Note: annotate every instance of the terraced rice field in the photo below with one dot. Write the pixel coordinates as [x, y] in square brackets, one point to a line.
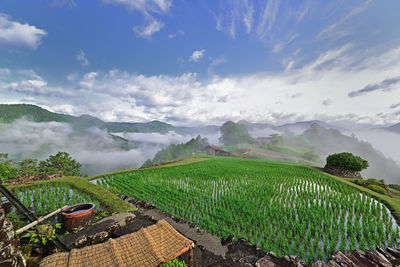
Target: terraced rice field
[284, 208]
[44, 199]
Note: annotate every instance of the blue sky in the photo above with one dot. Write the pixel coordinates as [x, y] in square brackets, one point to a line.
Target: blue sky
[204, 62]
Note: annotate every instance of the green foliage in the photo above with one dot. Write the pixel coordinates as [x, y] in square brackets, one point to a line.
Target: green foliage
[7, 171]
[61, 163]
[174, 263]
[346, 161]
[377, 189]
[68, 190]
[395, 186]
[311, 155]
[175, 152]
[27, 167]
[42, 234]
[234, 134]
[280, 207]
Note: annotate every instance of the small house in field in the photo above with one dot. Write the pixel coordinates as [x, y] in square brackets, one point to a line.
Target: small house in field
[217, 151]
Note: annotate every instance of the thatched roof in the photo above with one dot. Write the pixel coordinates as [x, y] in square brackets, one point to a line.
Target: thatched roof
[149, 246]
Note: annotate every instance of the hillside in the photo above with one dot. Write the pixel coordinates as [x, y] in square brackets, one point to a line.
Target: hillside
[329, 141]
[277, 207]
[12, 112]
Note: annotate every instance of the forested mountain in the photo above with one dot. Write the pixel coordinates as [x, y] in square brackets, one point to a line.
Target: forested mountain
[329, 141]
[10, 113]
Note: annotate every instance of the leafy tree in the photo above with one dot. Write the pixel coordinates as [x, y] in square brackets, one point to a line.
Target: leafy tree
[346, 161]
[61, 163]
[27, 167]
[7, 171]
[179, 151]
[311, 155]
[234, 134]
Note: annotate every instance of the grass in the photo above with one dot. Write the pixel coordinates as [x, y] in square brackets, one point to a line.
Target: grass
[393, 203]
[107, 199]
[189, 160]
[287, 208]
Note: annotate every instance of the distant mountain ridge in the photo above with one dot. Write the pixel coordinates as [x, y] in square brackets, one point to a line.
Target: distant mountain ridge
[12, 112]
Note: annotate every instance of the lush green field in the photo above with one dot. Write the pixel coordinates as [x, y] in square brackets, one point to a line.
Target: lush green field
[46, 196]
[285, 208]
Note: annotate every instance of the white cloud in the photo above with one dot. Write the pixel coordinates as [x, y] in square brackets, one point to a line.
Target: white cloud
[81, 57]
[144, 6]
[174, 35]
[330, 30]
[146, 31]
[14, 34]
[268, 18]
[281, 45]
[197, 55]
[27, 82]
[234, 13]
[271, 96]
[148, 8]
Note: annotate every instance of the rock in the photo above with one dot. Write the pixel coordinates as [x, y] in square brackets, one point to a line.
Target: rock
[332, 263]
[394, 252]
[81, 242]
[7, 207]
[385, 253]
[130, 219]
[192, 225]
[200, 231]
[98, 237]
[272, 254]
[377, 259]
[227, 240]
[9, 253]
[342, 259]
[265, 262]
[249, 259]
[319, 264]
[359, 256]
[113, 228]
[287, 258]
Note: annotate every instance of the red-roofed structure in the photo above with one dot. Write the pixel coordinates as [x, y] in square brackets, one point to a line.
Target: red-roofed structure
[217, 151]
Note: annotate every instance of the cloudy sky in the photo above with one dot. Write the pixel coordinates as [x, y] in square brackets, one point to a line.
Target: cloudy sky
[204, 61]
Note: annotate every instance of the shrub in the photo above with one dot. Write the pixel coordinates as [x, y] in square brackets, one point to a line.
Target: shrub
[375, 181]
[377, 189]
[395, 186]
[360, 182]
[174, 263]
[346, 161]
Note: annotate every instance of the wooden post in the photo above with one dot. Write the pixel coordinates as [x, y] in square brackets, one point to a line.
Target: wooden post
[26, 227]
[190, 256]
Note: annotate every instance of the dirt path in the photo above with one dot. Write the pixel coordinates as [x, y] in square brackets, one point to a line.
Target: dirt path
[206, 240]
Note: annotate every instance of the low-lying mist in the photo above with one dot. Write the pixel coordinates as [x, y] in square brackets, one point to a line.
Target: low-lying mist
[94, 148]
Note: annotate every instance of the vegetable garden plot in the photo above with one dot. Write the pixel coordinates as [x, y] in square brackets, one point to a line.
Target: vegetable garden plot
[46, 198]
[284, 208]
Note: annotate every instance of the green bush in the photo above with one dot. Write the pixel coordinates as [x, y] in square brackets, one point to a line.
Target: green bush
[395, 186]
[7, 172]
[346, 161]
[377, 189]
[360, 182]
[174, 263]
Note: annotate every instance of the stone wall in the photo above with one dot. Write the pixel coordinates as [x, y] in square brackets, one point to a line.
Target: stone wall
[342, 172]
[9, 253]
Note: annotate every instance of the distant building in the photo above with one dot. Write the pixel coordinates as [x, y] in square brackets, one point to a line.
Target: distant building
[217, 151]
[265, 140]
